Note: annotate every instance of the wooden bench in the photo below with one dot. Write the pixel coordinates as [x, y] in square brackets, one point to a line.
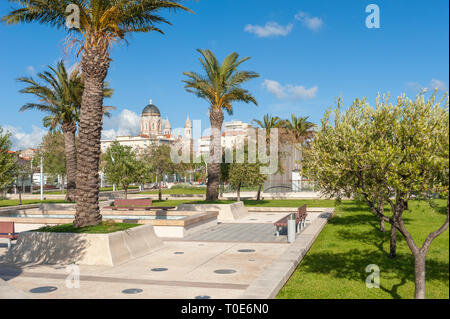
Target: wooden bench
[131, 204]
[300, 220]
[7, 231]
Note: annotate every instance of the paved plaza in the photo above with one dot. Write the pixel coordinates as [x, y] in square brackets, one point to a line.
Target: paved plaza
[225, 261]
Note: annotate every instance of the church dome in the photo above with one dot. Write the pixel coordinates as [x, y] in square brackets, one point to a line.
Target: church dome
[151, 110]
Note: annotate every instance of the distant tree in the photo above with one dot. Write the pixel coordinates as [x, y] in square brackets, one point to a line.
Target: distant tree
[7, 160]
[53, 152]
[159, 163]
[23, 172]
[390, 153]
[122, 167]
[269, 122]
[240, 174]
[221, 87]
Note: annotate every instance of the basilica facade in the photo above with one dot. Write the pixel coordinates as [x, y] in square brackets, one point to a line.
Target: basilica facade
[153, 131]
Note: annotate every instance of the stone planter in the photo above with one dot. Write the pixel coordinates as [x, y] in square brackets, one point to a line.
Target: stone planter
[84, 249]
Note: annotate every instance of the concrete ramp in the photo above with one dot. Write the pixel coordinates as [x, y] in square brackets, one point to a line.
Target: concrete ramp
[227, 212]
[83, 249]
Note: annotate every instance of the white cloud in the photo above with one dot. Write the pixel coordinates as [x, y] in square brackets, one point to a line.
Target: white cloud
[269, 29]
[275, 88]
[31, 70]
[437, 84]
[433, 85]
[127, 123]
[290, 91]
[312, 23]
[21, 140]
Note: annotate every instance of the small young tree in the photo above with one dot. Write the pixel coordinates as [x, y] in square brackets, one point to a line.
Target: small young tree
[389, 153]
[22, 172]
[7, 160]
[53, 152]
[159, 163]
[122, 167]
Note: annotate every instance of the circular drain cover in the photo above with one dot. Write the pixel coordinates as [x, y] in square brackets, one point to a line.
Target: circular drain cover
[246, 250]
[43, 290]
[159, 269]
[224, 271]
[253, 219]
[251, 260]
[179, 252]
[202, 297]
[132, 291]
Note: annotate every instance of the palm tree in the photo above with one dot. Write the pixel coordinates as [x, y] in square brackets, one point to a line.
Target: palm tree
[269, 122]
[101, 22]
[221, 86]
[60, 96]
[301, 132]
[300, 128]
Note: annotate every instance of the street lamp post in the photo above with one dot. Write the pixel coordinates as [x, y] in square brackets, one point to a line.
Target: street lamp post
[42, 180]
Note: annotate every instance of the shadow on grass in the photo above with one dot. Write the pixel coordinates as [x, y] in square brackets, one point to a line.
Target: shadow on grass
[351, 265]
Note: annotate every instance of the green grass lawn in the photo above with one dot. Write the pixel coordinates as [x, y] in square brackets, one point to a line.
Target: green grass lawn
[335, 265]
[15, 202]
[109, 189]
[255, 203]
[179, 191]
[103, 228]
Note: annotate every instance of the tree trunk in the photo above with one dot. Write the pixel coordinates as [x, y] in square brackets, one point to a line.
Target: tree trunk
[393, 243]
[258, 195]
[381, 210]
[212, 186]
[126, 191]
[69, 130]
[238, 192]
[159, 190]
[94, 66]
[419, 275]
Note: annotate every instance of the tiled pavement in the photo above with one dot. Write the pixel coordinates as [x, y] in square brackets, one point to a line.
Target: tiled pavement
[233, 232]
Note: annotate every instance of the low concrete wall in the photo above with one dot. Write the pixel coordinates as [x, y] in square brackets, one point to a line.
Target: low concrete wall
[181, 232]
[84, 249]
[227, 212]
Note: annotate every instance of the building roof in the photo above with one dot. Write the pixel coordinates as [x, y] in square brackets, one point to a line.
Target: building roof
[188, 122]
[151, 109]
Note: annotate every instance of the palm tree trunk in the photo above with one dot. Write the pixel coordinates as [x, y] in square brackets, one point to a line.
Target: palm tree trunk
[94, 65]
[215, 152]
[69, 130]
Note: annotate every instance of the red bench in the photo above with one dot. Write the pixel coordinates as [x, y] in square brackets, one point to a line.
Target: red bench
[7, 231]
[300, 220]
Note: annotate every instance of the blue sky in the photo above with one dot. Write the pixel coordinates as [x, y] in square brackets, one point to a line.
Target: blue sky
[307, 52]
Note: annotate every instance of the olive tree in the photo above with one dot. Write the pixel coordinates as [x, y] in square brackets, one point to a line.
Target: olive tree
[123, 167]
[390, 153]
[7, 160]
